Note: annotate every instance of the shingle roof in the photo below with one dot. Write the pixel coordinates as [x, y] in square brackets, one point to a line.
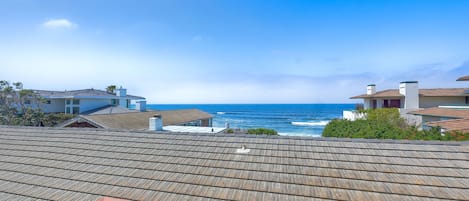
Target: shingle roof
[82, 93]
[139, 120]
[109, 109]
[443, 92]
[452, 125]
[443, 112]
[83, 164]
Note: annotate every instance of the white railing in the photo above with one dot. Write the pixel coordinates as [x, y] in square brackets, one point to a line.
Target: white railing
[464, 107]
[353, 115]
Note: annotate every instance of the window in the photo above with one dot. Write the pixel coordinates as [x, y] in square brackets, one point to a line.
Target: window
[395, 103]
[67, 110]
[76, 101]
[68, 102]
[115, 102]
[386, 103]
[47, 101]
[27, 102]
[76, 110]
[467, 99]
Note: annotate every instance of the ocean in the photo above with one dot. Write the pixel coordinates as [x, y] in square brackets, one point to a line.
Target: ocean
[286, 119]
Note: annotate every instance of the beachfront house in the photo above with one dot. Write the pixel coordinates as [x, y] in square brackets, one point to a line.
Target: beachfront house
[118, 118]
[101, 109]
[84, 100]
[447, 117]
[409, 98]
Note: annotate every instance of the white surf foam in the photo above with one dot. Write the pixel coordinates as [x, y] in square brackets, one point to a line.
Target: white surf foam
[318, 123]
[221, 112]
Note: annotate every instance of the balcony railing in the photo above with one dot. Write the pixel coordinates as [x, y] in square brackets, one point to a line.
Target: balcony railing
[353, 115]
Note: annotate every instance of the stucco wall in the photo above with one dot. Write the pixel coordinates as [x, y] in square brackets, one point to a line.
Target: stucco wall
[90, 104]
[55, 106]
[367, 103]
[411, 92]
[414, 120]
[426, 102]
[123, 102]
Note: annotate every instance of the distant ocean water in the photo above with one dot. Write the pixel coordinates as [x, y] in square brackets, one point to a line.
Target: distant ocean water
[287, 119]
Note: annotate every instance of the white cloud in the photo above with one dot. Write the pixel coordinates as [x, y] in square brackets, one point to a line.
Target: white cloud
[59, 23]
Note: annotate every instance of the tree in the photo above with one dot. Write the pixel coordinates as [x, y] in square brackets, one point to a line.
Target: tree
[7, 112]
[19, 106]
[111, 89]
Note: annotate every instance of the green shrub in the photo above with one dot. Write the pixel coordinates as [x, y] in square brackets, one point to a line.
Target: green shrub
[230, 131]
[385, 124]
[54, 119]
[260, 131]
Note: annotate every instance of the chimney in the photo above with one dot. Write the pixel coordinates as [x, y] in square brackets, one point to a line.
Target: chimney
[121, 92]
[141, 106]
[155, 123]
[371, 89]
[410, 90]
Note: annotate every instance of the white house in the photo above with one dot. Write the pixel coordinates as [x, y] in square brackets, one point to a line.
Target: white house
[454, 117]
[84, 100]
[409, 98]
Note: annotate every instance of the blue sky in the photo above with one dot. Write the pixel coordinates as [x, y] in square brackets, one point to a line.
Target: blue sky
[236, 51]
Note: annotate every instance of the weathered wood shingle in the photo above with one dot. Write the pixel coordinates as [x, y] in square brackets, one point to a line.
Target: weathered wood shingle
[72, 164]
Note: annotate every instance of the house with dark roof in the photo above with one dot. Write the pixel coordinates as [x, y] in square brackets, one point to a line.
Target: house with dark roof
[96, 164]
[84, 100]
[418, 106]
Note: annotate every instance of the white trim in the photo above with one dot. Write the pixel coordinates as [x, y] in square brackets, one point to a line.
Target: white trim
[453, 107]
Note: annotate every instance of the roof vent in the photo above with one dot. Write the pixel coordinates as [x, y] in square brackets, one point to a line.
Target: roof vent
[155, 123]
[243, 150]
